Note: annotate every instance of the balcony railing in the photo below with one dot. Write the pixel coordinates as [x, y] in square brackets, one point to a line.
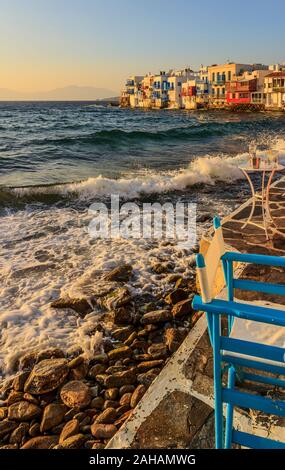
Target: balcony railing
[220, 82]
[218, 97]
[278, 89]
[246, 86]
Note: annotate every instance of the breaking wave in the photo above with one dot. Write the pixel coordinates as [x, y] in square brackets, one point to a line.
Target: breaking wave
[203, 170]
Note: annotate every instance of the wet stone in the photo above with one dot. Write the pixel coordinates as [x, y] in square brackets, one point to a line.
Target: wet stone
[111, 393]
[107, 416]
[75, 394]
[125, 399]
[73, 442]
[103, 431]
[41, 442]
[23, 411]
[182, 308]
[119, 379]
[157, 316]
[20, 380]
[52, 416]
[97, 403]
[96, 370]
[119, 353]
[19, 433]
[126, 389]
[6, 427]
[137, 395]
[46, 376]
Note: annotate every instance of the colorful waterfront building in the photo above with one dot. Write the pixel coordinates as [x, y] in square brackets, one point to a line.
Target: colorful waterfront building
[174, 86]
[160, 90]
[124, 99]
[146, 96]
[202, 88]
[274, 90]
[131, 92]
[189, 94]
[218, 75]
[195, 92]
[247, 89]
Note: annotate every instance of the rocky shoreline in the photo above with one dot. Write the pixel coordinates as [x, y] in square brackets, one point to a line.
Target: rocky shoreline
[80, 400]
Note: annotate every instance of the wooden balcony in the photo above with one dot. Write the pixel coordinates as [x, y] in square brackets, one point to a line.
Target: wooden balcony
[278, 89]
[241, 86]
[218, 97]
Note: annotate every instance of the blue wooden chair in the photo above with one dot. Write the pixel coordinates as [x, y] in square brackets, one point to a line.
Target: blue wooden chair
[254, 343]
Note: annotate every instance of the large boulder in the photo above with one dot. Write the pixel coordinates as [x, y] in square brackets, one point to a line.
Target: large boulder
[46, 376]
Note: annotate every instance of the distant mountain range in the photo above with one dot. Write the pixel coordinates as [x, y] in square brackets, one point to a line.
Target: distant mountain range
[69, 93]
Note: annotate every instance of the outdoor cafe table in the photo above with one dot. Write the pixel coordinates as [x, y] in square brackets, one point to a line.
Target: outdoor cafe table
[264, 196]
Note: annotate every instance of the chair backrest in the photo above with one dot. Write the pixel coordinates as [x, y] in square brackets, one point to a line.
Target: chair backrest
[207, 266]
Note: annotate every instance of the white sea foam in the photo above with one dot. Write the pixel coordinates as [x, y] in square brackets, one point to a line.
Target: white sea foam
[35, 271]
[203, 170]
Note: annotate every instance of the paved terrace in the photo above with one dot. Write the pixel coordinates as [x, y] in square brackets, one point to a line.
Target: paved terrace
[177, 410]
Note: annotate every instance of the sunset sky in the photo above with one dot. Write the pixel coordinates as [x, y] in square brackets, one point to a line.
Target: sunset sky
[46, 44]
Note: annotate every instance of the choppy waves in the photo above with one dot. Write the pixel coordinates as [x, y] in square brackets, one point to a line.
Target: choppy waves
[203, 170]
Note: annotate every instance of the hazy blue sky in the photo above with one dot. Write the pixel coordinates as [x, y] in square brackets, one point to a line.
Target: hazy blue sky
[51, 43]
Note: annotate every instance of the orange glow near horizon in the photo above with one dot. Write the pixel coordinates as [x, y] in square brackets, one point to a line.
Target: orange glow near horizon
[36, 77]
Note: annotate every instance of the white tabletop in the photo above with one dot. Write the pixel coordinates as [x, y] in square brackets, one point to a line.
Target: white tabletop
[249, 169]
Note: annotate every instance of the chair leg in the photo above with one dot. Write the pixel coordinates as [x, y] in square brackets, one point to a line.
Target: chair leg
[230, 410]
[210, 326]
[217, 383]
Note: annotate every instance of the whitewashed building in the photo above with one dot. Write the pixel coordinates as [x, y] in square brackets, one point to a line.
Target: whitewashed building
[132, 88]
[175, 83]
[274, 90]
[160, 90]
